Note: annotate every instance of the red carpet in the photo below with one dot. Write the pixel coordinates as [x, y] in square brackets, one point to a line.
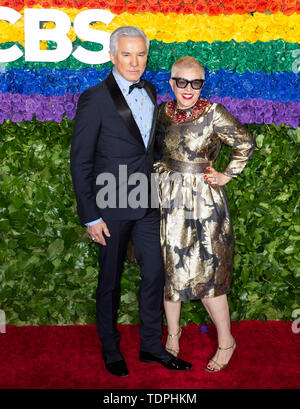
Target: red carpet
[267, 357]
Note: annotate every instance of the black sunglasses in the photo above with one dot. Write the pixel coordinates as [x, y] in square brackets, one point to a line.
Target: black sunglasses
[183, 83]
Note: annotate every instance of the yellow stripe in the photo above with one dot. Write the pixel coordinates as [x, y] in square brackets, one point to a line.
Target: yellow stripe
[178, 27]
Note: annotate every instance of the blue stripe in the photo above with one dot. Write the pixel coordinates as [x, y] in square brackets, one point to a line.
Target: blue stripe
[278, 86]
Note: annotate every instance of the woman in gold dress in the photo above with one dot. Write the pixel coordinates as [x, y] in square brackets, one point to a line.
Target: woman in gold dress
[196, 231]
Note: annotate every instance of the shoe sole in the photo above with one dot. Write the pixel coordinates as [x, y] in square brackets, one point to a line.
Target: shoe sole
[120, 376]
[147, 361]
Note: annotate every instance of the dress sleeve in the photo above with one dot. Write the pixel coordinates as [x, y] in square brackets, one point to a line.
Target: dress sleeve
[234, 134]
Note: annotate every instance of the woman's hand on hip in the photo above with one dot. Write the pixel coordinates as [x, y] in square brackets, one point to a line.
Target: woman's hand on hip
[216, 178]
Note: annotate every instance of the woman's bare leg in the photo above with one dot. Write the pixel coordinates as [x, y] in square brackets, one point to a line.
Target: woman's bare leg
[218, 310]
[172, 310]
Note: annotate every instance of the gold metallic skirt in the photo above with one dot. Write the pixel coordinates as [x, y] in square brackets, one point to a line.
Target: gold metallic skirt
[196, 232]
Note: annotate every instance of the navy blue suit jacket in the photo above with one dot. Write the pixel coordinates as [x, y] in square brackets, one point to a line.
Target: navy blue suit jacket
[106, 136]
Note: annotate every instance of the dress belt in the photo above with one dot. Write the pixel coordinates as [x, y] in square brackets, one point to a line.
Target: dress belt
[186, 167]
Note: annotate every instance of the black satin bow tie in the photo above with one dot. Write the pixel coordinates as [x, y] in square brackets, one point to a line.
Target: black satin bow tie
[139, 84]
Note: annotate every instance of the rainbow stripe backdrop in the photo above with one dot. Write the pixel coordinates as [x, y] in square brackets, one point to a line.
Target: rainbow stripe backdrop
[249, 49]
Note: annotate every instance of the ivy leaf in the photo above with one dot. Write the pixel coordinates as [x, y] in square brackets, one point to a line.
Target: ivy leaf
[55, 248]
[128, 298]
[259, 140]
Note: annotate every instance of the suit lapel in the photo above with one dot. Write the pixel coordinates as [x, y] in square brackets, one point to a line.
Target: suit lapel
[152, 132]
[123, 108]
[153, 99]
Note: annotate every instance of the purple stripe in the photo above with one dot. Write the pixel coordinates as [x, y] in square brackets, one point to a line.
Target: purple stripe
[19, 107]
[256, 110]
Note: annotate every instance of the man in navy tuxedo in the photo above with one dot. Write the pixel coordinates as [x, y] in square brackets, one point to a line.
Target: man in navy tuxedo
[115, 131]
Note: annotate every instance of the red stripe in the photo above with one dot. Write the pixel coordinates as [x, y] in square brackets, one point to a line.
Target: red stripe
[210, 7]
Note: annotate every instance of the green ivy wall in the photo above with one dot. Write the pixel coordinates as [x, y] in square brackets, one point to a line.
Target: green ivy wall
[48, 264]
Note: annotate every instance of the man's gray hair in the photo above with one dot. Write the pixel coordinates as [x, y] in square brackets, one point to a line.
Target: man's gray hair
[129, 31]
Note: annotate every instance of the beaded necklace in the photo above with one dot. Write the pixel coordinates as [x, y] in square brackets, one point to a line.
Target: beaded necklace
[182, 115]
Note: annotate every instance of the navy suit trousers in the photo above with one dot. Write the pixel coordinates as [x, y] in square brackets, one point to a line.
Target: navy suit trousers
[145, 236]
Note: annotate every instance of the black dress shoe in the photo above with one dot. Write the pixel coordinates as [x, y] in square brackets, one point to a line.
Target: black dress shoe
[118, 368]
[168, 361]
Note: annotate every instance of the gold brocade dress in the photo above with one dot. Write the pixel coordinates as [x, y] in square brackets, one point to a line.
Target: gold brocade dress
[196, 232]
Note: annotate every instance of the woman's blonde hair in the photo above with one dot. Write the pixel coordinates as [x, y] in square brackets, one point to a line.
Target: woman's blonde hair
[188, 63]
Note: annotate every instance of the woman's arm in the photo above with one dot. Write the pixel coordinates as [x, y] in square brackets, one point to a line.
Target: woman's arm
[234, 134]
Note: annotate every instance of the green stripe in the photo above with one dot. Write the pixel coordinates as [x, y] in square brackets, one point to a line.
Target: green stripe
[275, 55]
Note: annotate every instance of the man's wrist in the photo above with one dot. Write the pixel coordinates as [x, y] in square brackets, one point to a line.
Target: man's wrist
[94, 222]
